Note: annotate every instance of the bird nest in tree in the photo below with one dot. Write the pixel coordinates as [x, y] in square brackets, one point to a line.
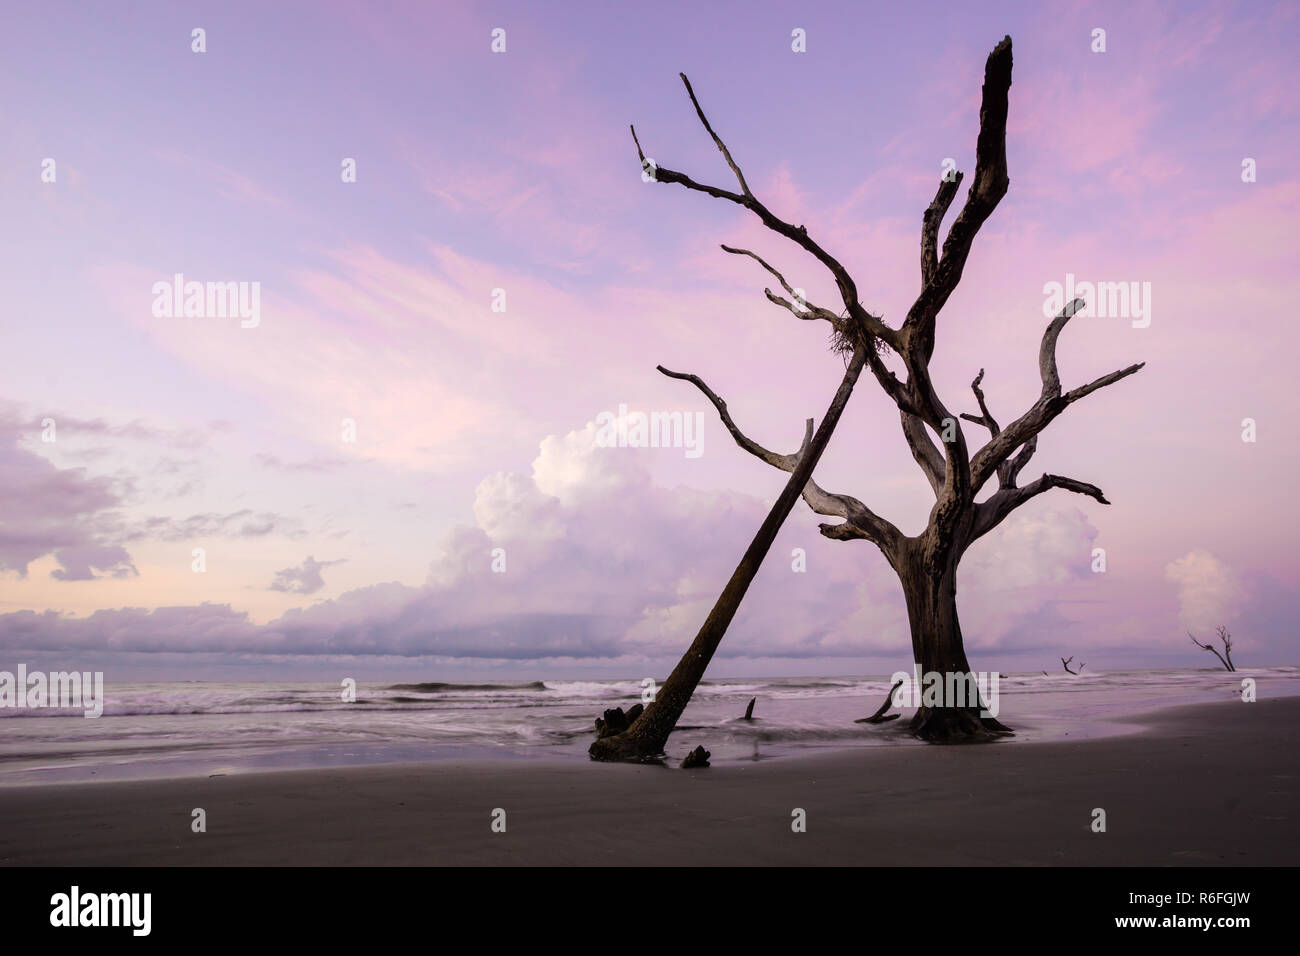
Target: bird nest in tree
[846, 337]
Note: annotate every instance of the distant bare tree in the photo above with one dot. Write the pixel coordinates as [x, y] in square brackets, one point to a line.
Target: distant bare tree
[1065, 662]
[926, 564]
[1226, 657]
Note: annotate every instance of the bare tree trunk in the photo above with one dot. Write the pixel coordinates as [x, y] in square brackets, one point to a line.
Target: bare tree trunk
[649, 732]
[931, 595]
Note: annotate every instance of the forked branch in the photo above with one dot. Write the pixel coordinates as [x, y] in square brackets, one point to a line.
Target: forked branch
[860, 323]
[990, 185]
[989, 514]
[1051, 403]
[808, 310]
[985, 417]
[1226, 637]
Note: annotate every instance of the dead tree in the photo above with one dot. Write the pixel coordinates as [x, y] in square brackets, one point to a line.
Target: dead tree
[1065, 662]
[927, 563]
[647, 735]
[1226, 657]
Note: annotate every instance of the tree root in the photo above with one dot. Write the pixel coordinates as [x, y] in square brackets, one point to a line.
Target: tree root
[615, 721]
[950, 725]
[624, 747]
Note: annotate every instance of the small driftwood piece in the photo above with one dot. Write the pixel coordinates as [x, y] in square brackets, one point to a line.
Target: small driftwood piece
[879, 717]
[699, 757]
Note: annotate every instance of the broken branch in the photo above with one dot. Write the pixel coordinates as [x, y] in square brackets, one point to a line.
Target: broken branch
[879, 716]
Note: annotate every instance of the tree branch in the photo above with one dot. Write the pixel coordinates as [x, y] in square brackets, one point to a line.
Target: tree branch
[957, 491]
[880, 716]
[984, 418]
[1051, 403]
[775, 459]
[859, 520]
[930, 222]
[722, 147]
[1014, 466]
[870, 325]
[809, 310]
[924, 451]
[1008, 470]
[1226, 637]
[985, 193]
[915, 399]
[989, 514]
[940, 277]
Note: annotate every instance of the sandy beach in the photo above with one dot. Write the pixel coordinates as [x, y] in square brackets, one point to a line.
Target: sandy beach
[1213, 784]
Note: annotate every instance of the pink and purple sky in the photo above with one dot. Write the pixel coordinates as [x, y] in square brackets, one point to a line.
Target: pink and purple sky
[479, 171]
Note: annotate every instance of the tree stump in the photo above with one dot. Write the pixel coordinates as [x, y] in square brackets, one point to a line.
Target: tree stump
[616, 721]
[699, 757]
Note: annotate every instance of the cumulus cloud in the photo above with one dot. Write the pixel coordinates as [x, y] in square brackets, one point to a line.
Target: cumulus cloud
[596, 557]
[79, 518]
[586, 557]
[1009, 581]
[1209, 592]
[304, 579]
[81, 563]
[51, 510]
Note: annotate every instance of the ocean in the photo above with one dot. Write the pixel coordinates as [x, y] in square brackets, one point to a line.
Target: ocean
[210, 728]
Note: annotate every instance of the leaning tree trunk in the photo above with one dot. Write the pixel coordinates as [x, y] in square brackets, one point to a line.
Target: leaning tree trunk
[649, 732]
[931, 595]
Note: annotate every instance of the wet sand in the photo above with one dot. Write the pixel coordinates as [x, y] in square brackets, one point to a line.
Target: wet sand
[1211, 784]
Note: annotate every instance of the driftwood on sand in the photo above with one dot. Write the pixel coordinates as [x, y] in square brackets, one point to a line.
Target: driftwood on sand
[699, 757]
[879, 717]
